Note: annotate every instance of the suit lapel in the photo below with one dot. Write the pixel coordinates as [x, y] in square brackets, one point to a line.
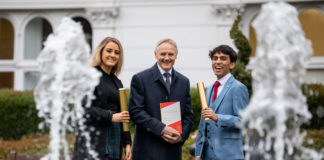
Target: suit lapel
[174, 76]
[209, 94]
[221, 96]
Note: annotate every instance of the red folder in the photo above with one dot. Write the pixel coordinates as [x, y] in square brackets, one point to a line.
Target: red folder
[171, 115]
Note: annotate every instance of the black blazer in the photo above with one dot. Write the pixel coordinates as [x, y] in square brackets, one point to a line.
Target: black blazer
[98, 117]
[148, 90]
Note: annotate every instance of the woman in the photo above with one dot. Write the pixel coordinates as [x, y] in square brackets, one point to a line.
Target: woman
[104, 116]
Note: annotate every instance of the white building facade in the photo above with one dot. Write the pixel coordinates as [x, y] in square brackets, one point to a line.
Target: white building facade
[196, 25]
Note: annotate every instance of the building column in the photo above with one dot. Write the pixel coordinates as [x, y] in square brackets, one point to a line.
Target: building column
[227, 12]
[103, 22]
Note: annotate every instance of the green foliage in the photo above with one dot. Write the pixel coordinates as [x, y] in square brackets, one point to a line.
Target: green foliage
[35, 145]
[240, 41]
[18, 115]
[244, 53]
[196, 107]
[314, 139]
[315, 100]
[186, 147]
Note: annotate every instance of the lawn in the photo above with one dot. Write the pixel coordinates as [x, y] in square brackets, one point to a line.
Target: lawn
[37, 144]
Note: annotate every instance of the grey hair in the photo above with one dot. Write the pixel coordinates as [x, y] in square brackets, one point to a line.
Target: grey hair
[166, 40]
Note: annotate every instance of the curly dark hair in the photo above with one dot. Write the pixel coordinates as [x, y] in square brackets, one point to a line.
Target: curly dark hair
[226, 50]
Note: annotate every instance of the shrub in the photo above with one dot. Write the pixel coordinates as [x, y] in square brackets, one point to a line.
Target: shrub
[18, 115]
[315, 100]
[196, 107]
[244, 53]
[314, 139]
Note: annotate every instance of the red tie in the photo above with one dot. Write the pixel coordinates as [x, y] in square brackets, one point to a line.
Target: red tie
[215, 90]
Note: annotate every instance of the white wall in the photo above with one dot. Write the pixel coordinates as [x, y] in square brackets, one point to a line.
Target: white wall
[195, 29]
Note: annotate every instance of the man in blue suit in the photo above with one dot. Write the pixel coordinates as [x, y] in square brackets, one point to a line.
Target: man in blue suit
[153, 140]
[220, 137]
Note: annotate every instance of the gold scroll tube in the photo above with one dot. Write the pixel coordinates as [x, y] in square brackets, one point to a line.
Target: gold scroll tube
[202, 96]
[123, 106]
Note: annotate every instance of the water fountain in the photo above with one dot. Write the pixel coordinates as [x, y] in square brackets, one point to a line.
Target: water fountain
[66, 78]
[278, 108]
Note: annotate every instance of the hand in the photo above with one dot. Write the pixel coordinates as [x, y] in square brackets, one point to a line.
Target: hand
[198, 158]
[170, 131]
[172, 140]
[120, 117]
[171, 135]
[128, 152]
[209, 113]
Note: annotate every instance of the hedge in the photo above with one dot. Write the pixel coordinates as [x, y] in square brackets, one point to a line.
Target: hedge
[243, 56]
[196, 107]
[18, 115]
[315, 101]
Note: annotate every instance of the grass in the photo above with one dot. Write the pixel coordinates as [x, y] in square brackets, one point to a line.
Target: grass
[316, 138]
[29, 145]
[37, 144]
[185, 149]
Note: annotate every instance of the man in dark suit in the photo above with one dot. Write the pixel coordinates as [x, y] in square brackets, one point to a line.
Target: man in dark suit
[153, 140]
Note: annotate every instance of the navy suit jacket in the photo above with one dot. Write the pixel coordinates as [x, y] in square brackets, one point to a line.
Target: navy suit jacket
[224, 137]
[148, 90]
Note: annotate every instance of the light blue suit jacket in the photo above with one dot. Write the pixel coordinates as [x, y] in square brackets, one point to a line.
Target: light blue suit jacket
[224, 137]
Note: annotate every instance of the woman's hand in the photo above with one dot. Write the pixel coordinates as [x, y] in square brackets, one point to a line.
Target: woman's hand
[128, 152]
[120, 117]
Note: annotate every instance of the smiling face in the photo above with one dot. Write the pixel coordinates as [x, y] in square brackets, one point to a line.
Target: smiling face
[166, 55]
[221, 64]
[110, 55]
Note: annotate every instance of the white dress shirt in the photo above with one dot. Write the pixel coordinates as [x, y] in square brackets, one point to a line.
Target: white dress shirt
[222, 82]
[162, 71]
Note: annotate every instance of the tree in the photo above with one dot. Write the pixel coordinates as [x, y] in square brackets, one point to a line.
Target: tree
[244, 53]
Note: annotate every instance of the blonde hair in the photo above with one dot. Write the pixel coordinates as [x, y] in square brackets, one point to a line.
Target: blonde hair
[96, 55]
[166, 40]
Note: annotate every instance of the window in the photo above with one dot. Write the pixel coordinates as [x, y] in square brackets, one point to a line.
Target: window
[36, 33]
[31, 79]
[312, 22]
[6, 80]
[6, 40]
[86, 29]
[252, 38]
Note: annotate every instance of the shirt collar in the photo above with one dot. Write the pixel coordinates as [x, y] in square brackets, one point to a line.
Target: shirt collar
[162, 71]
[224, 79]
